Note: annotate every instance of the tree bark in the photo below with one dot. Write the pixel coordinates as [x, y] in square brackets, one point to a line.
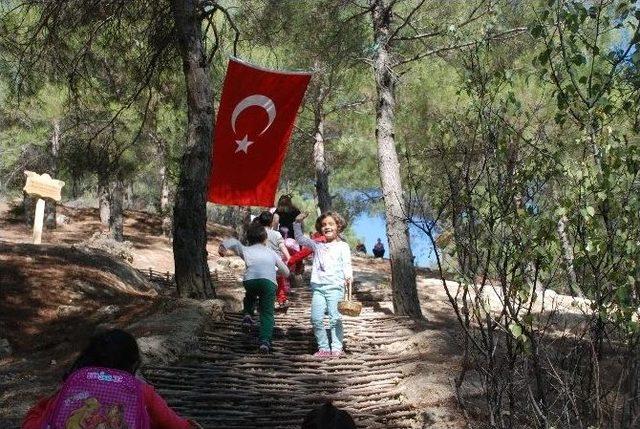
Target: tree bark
[116, 221]
[29, 208]
[164, 182]
[567, 256]
[320, 163]
[50, 212]
[164, 188]
[190, 210]
[103, 199]
[403, 275]
[128, 196]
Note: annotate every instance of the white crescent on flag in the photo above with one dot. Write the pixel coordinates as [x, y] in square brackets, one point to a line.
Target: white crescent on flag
[255, 100]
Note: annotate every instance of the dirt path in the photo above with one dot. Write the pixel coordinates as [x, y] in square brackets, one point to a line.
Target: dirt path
[387, 380]
[395, 374]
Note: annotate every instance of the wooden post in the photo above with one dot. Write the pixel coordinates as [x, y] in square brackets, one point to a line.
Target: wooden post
[38, 221]
[42, 186]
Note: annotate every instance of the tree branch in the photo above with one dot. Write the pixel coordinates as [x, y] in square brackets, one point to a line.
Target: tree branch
[406, 20]
[496, 36]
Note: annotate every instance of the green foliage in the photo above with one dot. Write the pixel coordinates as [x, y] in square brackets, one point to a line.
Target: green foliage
[26, 130]
[586, 54]
[502, 140]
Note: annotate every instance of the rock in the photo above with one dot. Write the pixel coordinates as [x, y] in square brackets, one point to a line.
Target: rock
[167, 227]
[233, 262]
[62, 220]
[236, 263]
[163, 337]
[108, 310]
[67, 310]
[103, 241]
[5, 348]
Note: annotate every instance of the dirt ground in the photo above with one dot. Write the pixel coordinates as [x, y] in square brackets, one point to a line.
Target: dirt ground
[55, 295]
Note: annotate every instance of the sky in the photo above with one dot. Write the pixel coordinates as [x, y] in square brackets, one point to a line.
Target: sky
[371, 227]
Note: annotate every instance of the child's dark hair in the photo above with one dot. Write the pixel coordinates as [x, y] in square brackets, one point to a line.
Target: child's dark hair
[328, 416]
[256, 233]
[114, 348]
[265, 219]
[285, 203]
[342, 224]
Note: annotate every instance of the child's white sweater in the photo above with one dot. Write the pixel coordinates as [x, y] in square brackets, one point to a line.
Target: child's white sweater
[331, 261]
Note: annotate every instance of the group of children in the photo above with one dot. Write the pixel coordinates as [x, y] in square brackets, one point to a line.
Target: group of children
[101, 391]
[266, 251]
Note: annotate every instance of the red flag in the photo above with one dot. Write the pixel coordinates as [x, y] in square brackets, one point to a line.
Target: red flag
[255, 119]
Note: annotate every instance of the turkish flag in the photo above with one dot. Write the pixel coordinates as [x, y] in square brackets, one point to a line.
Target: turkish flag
[255, 119]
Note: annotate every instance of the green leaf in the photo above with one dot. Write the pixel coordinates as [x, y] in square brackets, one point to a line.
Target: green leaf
[589, 247]
[544, 56]
[537, 30]
[561, 211]
[578, 59]
[516, 330]
[591, 211]
[560, 118]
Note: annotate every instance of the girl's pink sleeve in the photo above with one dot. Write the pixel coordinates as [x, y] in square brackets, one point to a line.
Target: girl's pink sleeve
[161, 415]
[36, 415]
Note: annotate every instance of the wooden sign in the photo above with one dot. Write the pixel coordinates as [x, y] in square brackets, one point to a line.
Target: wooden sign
[43, 185]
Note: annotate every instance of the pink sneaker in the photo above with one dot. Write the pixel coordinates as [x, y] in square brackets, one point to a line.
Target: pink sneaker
[322, 354]
[338, 353]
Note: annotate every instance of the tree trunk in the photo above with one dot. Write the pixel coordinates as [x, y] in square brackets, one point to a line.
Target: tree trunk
[128, 196]
[567, 257]
[50, 212]
[229, 217]
[28, 208]
[74, 185]
[241, 229]
[403, 275]
[190, 210]
[164, 182]
[103, 199]
[164, 188]
[320, 163]
[116, 221]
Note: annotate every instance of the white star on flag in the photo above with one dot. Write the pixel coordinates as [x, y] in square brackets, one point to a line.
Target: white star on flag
[243, 144]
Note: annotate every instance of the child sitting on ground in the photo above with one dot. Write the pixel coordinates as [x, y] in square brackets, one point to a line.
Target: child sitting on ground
[259, 279]
[330, 274]
[90, 398]
[275, 242]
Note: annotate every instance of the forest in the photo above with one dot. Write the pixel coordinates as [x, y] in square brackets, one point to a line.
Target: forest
[505, 131]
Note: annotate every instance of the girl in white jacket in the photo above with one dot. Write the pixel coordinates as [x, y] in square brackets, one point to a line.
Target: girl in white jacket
[331, 272]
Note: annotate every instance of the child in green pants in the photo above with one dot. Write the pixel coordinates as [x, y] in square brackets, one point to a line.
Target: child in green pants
[259, 279]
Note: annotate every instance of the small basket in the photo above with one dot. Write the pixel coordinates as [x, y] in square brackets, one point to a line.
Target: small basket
[349, 307]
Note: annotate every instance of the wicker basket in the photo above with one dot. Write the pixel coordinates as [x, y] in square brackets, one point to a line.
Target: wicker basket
[349, 307]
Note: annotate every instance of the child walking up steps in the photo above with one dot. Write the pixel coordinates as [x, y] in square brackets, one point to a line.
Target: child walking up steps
[259, 279]
[275, 242]
[331, 272]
